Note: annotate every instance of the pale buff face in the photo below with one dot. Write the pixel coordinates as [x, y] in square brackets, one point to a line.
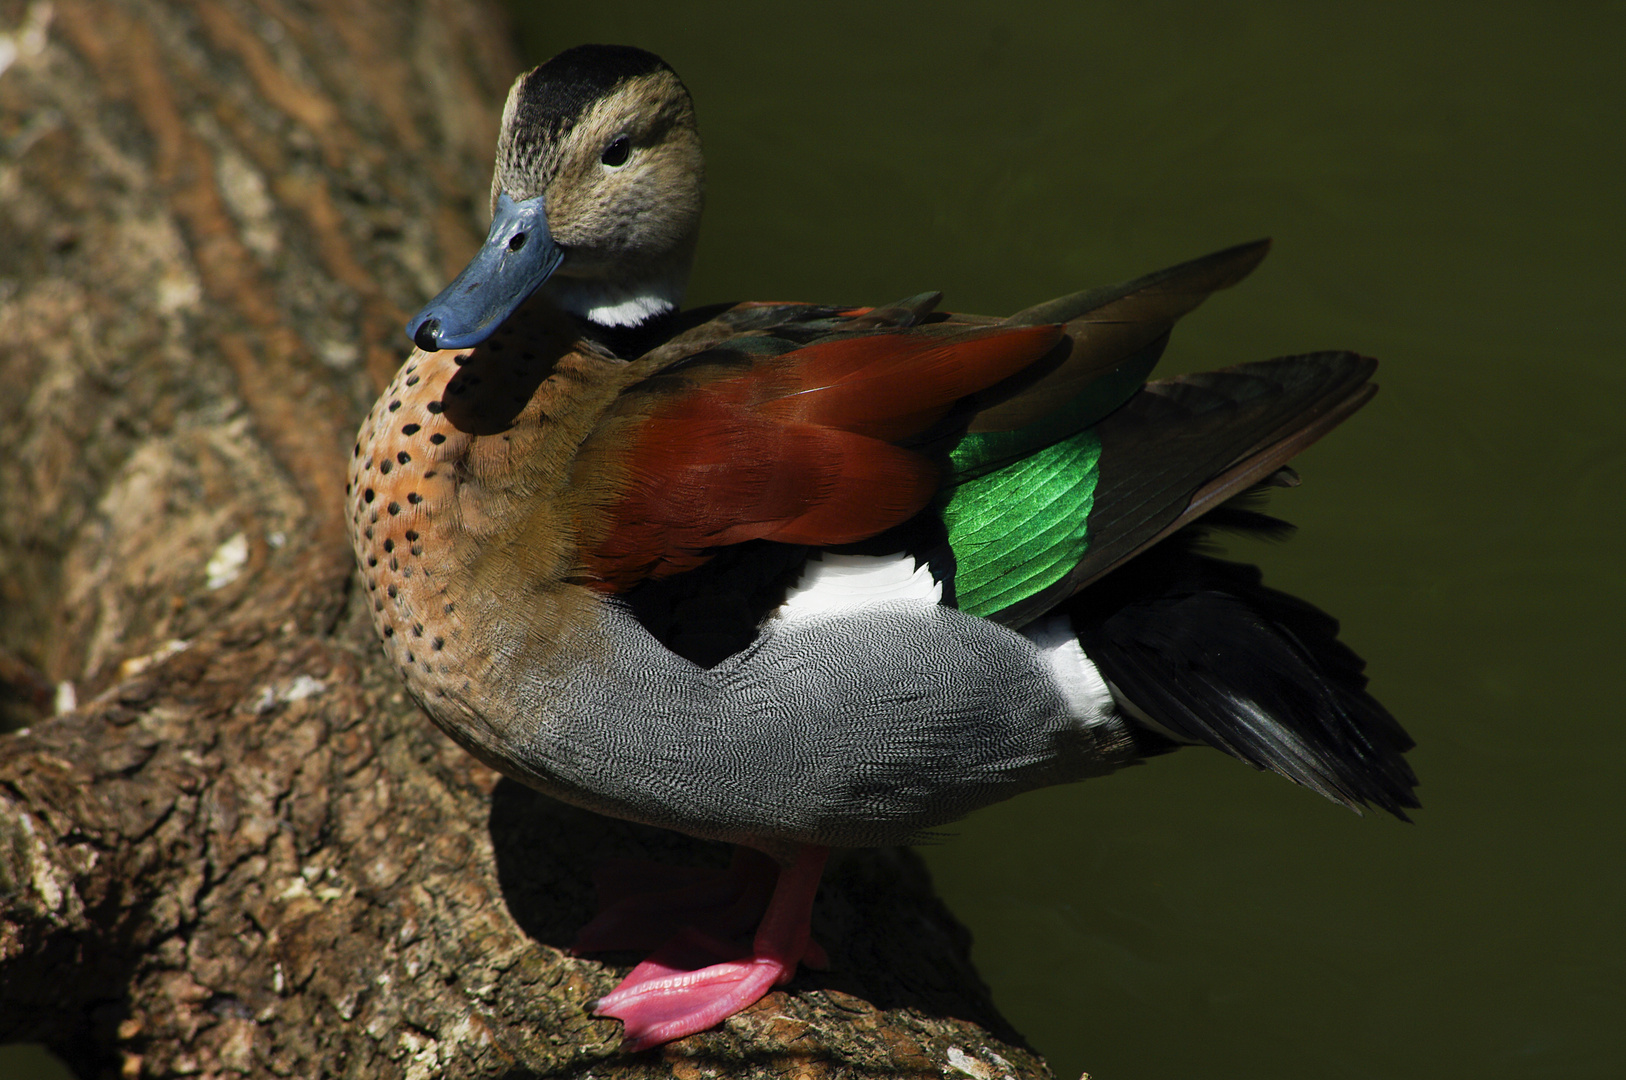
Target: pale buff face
[612, 221]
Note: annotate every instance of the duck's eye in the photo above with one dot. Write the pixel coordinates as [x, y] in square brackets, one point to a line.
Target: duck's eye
[616, 154]
[516, 241]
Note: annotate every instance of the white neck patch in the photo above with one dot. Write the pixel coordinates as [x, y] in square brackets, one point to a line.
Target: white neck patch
[615, 305]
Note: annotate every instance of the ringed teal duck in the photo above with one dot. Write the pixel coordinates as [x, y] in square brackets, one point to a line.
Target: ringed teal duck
[797, 577]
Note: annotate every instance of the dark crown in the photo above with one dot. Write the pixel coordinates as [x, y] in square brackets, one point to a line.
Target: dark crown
[556, 94]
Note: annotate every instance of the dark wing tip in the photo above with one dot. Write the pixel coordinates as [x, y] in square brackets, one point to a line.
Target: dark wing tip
[1211, 654]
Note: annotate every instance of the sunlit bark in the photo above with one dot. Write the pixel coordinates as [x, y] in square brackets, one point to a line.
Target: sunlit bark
[244, 852]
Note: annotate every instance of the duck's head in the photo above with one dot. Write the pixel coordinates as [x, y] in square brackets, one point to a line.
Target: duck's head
[596, 199]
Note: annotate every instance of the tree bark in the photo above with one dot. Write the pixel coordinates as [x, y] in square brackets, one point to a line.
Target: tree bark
[246, 853]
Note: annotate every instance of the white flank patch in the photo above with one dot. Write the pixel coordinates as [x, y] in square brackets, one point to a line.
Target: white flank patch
[836, 582]
[1088, 698]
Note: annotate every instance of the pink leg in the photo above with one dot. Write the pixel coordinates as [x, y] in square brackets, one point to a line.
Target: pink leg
[642, 905]
[667, 997]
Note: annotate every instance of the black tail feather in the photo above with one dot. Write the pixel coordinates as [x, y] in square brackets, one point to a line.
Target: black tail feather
[1209, 653]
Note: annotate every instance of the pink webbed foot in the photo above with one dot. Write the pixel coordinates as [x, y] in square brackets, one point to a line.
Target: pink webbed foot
[697, 979]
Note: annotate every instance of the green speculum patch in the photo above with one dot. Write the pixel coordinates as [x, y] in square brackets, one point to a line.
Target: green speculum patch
[1018, 530]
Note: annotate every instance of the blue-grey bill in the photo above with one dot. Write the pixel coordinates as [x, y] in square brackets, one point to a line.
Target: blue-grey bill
[519, 254]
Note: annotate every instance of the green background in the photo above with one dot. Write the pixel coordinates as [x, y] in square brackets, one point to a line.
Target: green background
[1444, 183]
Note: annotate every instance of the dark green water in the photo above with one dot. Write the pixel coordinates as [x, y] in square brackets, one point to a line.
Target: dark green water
[1444, 183]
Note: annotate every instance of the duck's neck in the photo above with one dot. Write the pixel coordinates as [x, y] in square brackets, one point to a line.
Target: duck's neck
[625, 297]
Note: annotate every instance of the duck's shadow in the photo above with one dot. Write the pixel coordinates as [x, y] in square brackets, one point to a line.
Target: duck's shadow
[891, 941]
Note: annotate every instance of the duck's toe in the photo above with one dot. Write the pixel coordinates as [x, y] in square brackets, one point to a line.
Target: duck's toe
[689, 985]
[697, 979]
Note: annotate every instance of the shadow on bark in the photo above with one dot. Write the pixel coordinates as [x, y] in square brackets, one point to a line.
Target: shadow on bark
[891, 942]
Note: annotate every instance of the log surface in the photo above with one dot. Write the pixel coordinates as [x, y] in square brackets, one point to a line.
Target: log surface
[229, 846]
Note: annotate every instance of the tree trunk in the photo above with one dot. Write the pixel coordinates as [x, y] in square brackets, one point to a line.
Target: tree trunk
[245, 852]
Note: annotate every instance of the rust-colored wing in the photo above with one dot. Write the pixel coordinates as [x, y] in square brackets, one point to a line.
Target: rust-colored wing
[795, 446]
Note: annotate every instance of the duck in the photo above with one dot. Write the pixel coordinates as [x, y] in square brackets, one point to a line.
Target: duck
[802, 577]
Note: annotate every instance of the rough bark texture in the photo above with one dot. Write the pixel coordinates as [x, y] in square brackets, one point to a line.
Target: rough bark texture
[246, 853]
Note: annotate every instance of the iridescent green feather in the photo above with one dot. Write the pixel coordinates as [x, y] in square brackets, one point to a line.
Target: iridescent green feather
[1019, 529]
[1019, 500]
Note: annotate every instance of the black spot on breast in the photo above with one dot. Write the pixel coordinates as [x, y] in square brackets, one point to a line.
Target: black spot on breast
[414, 498]
[410, 429]
[394, 508]
[403, 457]
[435, 407]
[437, 438]
[385, 467]
[490, 390]
[389, 546]
[412, 534]
[367, 496]
[394, 405]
